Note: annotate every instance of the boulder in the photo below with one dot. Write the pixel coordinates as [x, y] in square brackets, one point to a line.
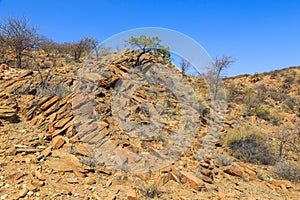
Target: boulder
[191, 179]
[7, 112]
[233, 171]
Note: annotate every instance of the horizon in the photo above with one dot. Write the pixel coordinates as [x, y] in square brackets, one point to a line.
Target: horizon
[261, 35]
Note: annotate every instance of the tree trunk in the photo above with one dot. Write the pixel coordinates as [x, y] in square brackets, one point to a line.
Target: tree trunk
[137, 62]
[77, 55]
[217, 84]
[281, 149]
[19, 59]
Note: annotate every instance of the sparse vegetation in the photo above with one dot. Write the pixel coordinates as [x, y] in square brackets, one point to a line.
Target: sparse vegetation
[151, 191]
[60, 90]
[85, 45]
[251, 99]
[235, 93]
[262, 126]
[250, 145]
[276, 95]
[19, 36]
[55, 49]
[262, 112]
[291, 104]
[256, 106]
[289, 79]
[287, 170]
[288, 137]
[224, 160]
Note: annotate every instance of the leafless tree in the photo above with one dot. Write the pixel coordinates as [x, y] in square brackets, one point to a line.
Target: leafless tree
[218, 66]
[95, 47]
[184, 66]
[17, 34]
[3, 50]
[288, 137]
[85, 45]
[51, 47]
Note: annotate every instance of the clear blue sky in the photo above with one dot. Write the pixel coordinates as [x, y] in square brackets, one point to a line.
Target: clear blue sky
[262, 35]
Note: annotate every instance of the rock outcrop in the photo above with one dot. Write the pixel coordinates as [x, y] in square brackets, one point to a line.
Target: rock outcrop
[108, 109]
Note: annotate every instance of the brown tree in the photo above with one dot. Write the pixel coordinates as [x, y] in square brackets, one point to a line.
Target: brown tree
[218, 66]
[17, 34]
[85, 45]
[184, 66]
[51, 47]
[288, 137]
[3, 50]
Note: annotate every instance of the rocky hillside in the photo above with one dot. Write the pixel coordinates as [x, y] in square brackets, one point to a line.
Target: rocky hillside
[104, 129]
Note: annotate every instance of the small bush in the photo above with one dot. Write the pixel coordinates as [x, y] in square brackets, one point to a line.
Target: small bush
[252, 99]
[261, 90]
[289, 79]
[263, 113]
[224, 160]
[287, 170]
[291, 103]
[59, 90]
[276, 95]
[273, 75]
[151, 191]
[275, 120]
[250, 145]
[255, 75]
[234, 93]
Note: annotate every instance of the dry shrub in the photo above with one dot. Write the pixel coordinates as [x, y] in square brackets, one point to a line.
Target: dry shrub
[287, 170]
[249, 144]
[224, 160]
[58, 90]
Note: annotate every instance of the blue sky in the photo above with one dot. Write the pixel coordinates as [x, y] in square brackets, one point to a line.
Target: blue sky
[262, 35]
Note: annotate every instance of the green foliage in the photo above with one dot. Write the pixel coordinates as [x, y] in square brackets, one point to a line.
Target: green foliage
[262, 113]
[148, 44]
[250, 145]
[255, 75]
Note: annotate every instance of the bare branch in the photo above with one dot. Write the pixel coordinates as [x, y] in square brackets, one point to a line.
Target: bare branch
[19, 36]
[218, 66]
[184, 66]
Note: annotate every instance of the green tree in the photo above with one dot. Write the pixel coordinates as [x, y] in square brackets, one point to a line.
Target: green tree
[148, 44]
